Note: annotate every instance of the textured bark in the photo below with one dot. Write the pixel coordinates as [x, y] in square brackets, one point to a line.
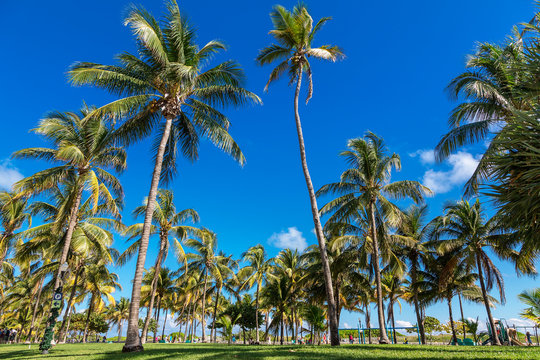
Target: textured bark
[486, 300]
[452, 325]
[120, 323]
[331, 305]
[157, 269]
[133, 341]
[383, 337]
[257, 313]
[63, 332]
[203, 338]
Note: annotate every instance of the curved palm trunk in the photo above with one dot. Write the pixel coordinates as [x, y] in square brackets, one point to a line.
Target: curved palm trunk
[452, 325]
[334, 334]
[462, 317]
[133, 341]
[63, 332]
[203, 338]
[419, 320]
[383, 337]
[486, 300]
[257, 313]
[157, 269]
[35, 310]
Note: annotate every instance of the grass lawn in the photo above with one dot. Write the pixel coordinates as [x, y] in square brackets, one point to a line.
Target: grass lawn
[218, 352]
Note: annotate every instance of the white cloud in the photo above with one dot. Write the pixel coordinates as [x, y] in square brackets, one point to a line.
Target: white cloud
[346, 326]
[519, 322]
[462, 165]
[401, 323]
[426, 156]
[292, 238]
[8, 175]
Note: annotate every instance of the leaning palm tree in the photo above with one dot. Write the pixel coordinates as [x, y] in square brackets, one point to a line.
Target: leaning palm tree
[294, 33]
[83, 147]
[166, 80]
[465, 231]
[366, 185]
[13, 214]
[256, 272]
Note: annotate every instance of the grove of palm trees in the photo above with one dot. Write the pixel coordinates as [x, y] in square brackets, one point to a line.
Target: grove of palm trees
[79, 265]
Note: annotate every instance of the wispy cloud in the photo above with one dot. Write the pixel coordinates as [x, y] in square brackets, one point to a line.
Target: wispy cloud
[292, 238]
[402, 323]
[461, 167]
[8, 175]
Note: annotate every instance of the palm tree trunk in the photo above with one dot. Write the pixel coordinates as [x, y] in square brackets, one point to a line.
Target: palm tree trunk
[368, 322]
[203, 339]
[331, 305]
[157, 318]
[133, 341]
[214, 331]
[257, 313]
[157, 269]
[393, 321]
[486, 300]
[419, 320]
[281, 339]
[120, 330]
[87, 325]
[164, 322]
[67, 326]
[383, 337]
[462, 317]
[34, 312]
[452, 326]
[62, 333]
[192, 321]
[187, 323]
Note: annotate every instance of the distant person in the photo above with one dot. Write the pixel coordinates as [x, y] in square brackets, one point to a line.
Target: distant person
[351, 339]
[233, 339]
[324, 338]
[406, 341]
[529, 340]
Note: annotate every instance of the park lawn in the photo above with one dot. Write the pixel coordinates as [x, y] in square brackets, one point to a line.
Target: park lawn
[218, 352]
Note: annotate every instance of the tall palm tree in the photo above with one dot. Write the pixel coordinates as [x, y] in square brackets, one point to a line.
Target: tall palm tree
[166, 223]
[256, 272]
[366, 184]
[118, 313]
[206, 261]
[468, 234]
[83, 147]
[414, 235]
[162, 288]
[167, 79]
[294, 33]
[13, 214]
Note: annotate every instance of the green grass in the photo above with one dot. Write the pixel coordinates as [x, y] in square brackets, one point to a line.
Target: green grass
[218, 352]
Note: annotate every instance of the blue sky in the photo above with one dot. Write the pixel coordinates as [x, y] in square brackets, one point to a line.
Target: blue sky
[400, 57]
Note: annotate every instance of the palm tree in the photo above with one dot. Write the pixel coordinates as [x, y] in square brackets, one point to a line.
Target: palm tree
[315, 317]
[294, 32]
[490, 89]
[85, 147]
[166, 79]
[162, 288]
[166, 222]
[206, 260]
[367, 185]
[393, 286]
[469, 234]
[118, 313]
[13, 214]
[100, 283]
[531, 298]
[413, 237]
[256, 272]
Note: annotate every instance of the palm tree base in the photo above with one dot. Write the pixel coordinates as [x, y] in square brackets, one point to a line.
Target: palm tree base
[132, 348]
[384, 341]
